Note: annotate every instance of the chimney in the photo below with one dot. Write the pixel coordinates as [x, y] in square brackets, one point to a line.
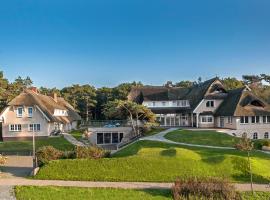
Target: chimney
[34, 89]
[54, 96]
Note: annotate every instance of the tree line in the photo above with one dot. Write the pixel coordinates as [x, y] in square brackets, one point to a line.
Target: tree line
[92, 102]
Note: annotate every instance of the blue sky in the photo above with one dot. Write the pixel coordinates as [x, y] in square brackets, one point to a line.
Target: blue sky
[103, 43]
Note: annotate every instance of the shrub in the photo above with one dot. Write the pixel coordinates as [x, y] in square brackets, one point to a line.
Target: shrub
[91, 152]
[211, 189]
[68, 155]
[3, 160]
[258, 144]
[47, 153]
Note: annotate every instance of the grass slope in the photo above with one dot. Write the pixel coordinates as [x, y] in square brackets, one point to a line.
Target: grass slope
[211, 138]
[26, 146]
[77, 134]
[160, 162]
[67, 193]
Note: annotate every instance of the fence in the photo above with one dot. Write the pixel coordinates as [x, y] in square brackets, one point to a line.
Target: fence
[105, 123]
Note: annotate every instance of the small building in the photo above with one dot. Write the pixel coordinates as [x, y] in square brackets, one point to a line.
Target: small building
[34, 112]
[207, 105]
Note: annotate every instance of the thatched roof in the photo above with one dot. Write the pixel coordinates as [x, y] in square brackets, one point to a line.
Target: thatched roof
[242, 102]
[161, 93]
[47, 104]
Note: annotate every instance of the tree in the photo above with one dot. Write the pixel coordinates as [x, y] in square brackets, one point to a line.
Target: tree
[252, 80]
[49, 91]
[130, 110]
[81, 97]
[3, 91]
[184, 84]
[104, 95]
[121, 91]
[245, 144]
[232, 83]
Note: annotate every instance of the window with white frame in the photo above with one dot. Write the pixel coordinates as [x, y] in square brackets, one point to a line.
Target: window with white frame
[266, 119]
[210, 104]
[19, 112]
[109, 138]
[34, 127]
[255, 136]
[266, 135]
[15, 127]
[207, 119]
[30, 112]
[255, 119]
[230, 119]
[244, 120]
[163, 103]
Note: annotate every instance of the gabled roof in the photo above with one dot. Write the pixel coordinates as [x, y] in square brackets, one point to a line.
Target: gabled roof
[161, 93]
[239, 102]
[47, 105]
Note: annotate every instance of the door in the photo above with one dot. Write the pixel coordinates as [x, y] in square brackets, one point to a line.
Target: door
[221, 122]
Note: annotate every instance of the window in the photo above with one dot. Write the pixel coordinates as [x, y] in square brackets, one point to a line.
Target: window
[19, 112]
[154, 104]
[109, 138]
[266, 119]
[244, 120]
[163, 103]
[210, 104]
[255, 136]
[99, 138]
[207, 119]
[30, 112]
[266, 135]
[34, 127]
[15, 127]
[115, 138]
[229, 120]
[255, 119]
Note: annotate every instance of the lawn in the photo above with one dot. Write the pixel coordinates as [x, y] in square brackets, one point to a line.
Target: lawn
[68, 193]
[211, 138]
[27, 146]
[160, 162]
[154, 131]
[77, 134]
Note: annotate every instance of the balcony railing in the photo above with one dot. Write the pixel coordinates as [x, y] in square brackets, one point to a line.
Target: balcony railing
[106, 123]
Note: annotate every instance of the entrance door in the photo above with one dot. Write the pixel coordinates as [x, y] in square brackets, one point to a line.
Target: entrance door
[221, 122]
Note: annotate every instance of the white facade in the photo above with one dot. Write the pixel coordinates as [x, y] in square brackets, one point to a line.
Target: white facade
[167, 104]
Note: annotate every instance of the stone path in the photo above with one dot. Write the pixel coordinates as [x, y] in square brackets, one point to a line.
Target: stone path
[7, 193]
[72, 139]
[160, 138]
[124, 185]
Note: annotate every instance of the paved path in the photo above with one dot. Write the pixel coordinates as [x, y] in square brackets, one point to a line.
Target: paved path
[124, 185]
[72, 139]
[7, 193]
[160, 138]
[17, 166]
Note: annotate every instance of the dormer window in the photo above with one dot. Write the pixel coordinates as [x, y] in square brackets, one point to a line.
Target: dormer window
[256, 103]
[58, 112]
[19, 111]
[30, 112]
[210, 104]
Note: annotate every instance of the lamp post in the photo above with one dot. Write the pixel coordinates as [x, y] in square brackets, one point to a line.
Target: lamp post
[34, 148]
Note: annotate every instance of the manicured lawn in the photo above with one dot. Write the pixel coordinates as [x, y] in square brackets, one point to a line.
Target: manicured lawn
[77, 134]
[66, 193]
[211, 138]
[26, 146]
[154, 131]
[161, 162]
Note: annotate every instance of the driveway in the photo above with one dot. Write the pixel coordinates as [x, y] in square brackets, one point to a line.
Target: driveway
[16, 167]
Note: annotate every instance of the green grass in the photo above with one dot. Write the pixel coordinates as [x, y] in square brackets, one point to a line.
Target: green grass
[211, 138]
[154, 131]
[26, 146]
[67, 193]
[77, 134]
[161, 162]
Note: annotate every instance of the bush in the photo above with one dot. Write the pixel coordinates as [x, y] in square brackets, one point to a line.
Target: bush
[68, 155]
[258, 144]
[211, 189]
[91, 152]
[46, 154]
[3, 160]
